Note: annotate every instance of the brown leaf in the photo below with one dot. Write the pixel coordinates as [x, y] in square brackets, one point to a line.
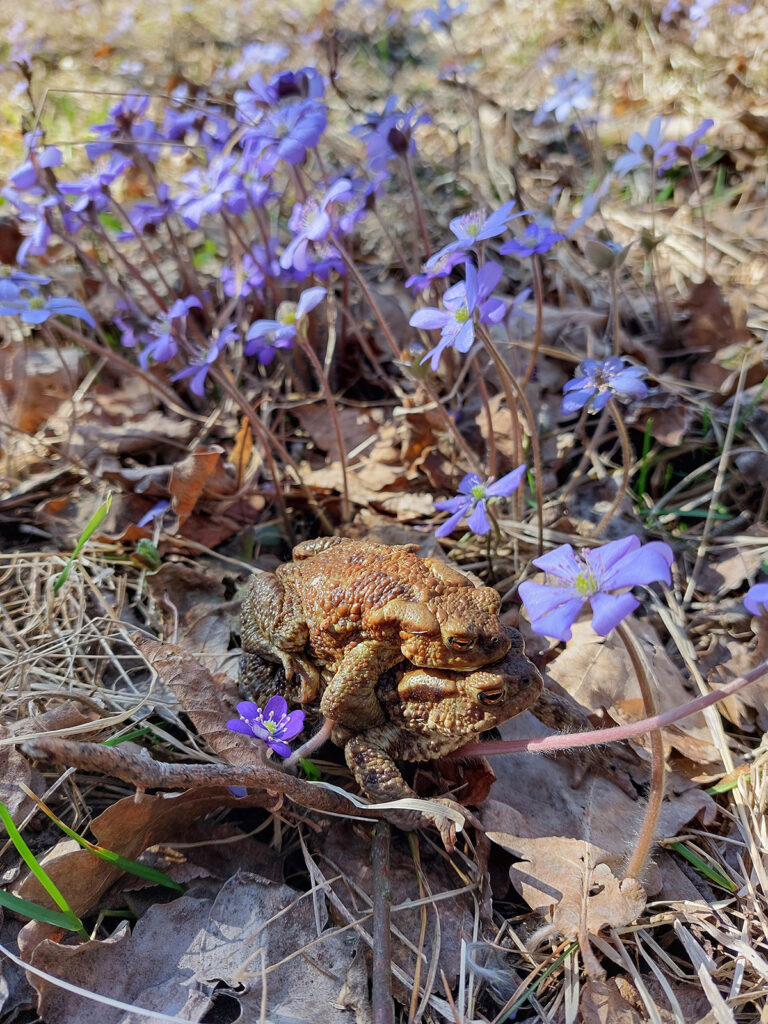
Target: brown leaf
[244, 942]
[190, 476]
[572, 883]
[601, 1002]
[241, 453]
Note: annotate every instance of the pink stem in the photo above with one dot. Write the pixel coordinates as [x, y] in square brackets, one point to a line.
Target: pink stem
[565, 741]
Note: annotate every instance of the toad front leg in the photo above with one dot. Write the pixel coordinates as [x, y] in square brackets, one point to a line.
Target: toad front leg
[349, 698]
[274, 627]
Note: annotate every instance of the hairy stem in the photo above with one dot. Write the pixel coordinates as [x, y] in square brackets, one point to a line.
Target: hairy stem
[567, 741]
[538, 293]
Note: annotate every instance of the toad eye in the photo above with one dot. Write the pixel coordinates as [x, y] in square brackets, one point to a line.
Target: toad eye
[461, 643]
[491, 696]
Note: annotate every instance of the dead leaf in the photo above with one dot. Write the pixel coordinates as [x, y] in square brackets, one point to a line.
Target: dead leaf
[190, 476]
[241, 453]
[572, 883]
[601, 1002]
[247, 942]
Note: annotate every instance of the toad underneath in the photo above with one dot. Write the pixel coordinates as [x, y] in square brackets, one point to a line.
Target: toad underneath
[351, 610]
[429, 713]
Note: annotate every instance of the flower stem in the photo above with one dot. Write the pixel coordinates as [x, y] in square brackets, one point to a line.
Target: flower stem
[626, 456]
[418, 207]
[566, 741]
[538, 293]
[323, 381]
[508, 378]
[656, 791]
[350, 264]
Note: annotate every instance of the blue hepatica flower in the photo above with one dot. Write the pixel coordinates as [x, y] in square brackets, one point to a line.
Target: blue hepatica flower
[538, 237]
[312, 222]
[438, 18]
[264, 336]
[589, 576]
[756, 599]
[437, 266]
[199, 371]
[475, 227]
[687, 149]
[34, 309]
[207, 190]
[456, 321]
[274, 725]
[574, 92]
[471, 500]
[596, 383]
[389, 134]
[642, 148]
[164, 344]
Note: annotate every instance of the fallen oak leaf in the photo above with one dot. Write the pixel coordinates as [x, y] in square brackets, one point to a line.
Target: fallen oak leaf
[572, 883]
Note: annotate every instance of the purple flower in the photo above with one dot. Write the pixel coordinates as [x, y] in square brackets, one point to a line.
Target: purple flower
[756, 599]
[199, 371]
[588, 577]
[34, 309]
[436, 267]
[306, 83]
[538, 237]
[590, 203]
[256, 266]
[476, 227]
[164, 345]
[311, 222]
[126, 127]
[148, 215]
[264, 336]
[456, 321]
[642, 148]
[574, 92]
[471, 499]
[92, 190]
[389, 135]
[440, 18]
[286, 133]
[208, 188]
[598, 382]
[274, 725]
[687, 149]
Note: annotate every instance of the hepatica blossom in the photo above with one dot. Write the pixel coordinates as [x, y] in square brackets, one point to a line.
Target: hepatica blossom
[274, 725]
[756, 599]
[687, 149]
[573, 92]
[475, 227]
[471, 501]
[264, 336]
[538, 237]
[596, 383]
[642, 148]
[593, 575]
[456, 321]
[34, 309]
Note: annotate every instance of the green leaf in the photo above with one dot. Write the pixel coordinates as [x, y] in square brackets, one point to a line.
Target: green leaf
[713, 874]
[38, 913]
[92, 525]
[75, 924]
[310, 769]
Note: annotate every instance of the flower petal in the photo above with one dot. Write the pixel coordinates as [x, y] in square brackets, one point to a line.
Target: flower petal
[649, 564]
[468, 482]
[552, 610]
[450, 524]
[275, 708]
[756, 599]
[280, 748]
[561, 562]
[238, 725]
[478, 521]
[609, 609]
[294, 723]
[506, 485]
[430, 318]
[248, 710]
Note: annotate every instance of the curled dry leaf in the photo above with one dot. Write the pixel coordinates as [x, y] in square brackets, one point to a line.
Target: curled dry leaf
[572, 883]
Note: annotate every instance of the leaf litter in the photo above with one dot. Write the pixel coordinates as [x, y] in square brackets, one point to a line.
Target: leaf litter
[697, 954]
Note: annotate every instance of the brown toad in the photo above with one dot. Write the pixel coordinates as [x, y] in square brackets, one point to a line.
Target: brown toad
[352, 610]
[429, 713]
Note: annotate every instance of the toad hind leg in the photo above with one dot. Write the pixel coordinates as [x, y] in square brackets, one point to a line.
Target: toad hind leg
[274, 627]
[349, 698]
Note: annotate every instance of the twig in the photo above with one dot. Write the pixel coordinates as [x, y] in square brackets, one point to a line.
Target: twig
[381, 982]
